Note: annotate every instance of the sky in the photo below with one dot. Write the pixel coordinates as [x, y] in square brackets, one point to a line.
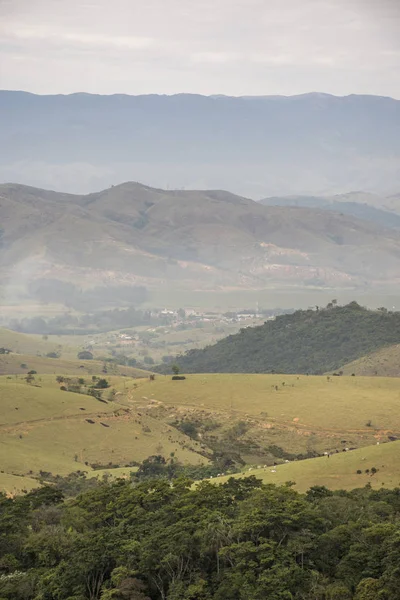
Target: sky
[233, 47]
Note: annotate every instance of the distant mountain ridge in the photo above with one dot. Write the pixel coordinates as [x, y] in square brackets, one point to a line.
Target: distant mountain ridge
[136, 235]
[258, 146]
[345, 205]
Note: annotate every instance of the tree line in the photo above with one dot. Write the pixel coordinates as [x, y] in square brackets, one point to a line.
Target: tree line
[162, 540]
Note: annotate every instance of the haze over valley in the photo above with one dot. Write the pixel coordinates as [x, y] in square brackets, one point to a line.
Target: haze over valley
[199, 300]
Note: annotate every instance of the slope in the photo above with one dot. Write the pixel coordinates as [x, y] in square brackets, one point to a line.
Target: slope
[309, 404]
[339, 471]
[385, 362]
[18, 364]
[45, 429]
[135, 235]
[309, 341]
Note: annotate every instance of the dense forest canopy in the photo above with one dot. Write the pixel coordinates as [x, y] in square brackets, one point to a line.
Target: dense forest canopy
[308, 341]
[237, 541]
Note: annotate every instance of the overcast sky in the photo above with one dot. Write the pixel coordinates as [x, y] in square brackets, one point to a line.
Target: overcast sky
[236, 47]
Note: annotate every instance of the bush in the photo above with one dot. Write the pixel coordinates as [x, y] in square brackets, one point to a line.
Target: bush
[85, 355]
[32, 372]
[189, 428]
[178, 377]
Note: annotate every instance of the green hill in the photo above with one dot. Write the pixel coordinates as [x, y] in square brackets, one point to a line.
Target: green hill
[308, 341]
[252, 419]
[19, 364]
[339, 471]
[46, 429]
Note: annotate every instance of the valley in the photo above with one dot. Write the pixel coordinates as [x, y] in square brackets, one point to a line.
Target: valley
[199, 300]
[235, 421]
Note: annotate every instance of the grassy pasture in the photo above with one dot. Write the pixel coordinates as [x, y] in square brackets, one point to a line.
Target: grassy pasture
[51, 432]
[339, 471]
[13, 485]
[24, 403]
[315, 403]
[46, 429]
[23, 343]
[11, 364]
[63, 446]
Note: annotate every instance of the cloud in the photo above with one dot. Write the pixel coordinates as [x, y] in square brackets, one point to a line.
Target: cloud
[203, 46]
[86, 39]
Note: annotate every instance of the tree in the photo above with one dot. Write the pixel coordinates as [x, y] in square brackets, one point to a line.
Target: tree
[153, 466]
[148, 360]
[102, 384]
[368, 589]
[175, 369]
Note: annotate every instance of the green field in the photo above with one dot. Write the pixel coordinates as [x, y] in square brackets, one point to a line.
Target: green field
[307, 402]
[22, 343]
[339, 471]
[49, 430]
[12, 485]
[18, 364]
[45, 429]
[24, 403]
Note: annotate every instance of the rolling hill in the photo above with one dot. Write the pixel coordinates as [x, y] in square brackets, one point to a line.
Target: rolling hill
[309, 144]
[309, 341]
[339, 471]
[258, 419]
[45, 429]
[133, 235]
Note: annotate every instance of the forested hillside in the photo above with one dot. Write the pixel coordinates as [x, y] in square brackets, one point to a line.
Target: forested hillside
[238, 541]
[307, 341]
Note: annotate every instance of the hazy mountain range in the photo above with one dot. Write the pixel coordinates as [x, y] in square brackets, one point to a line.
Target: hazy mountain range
[380, 210]
[311, 144]
[136, 235]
